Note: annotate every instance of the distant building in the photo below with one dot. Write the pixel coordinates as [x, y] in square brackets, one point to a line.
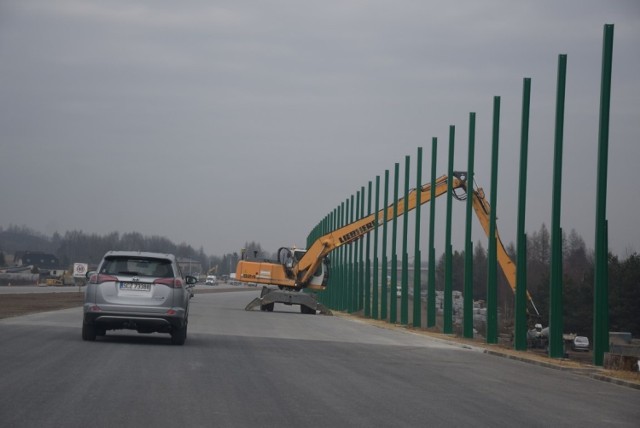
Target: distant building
[36, 258]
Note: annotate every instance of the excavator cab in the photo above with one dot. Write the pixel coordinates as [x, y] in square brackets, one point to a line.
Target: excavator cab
[320, 276]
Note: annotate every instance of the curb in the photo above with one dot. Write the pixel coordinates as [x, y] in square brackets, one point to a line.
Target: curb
[588, 372]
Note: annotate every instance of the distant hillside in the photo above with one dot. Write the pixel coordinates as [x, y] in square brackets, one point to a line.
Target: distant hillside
[77, 245]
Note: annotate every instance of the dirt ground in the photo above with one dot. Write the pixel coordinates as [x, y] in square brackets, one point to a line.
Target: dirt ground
[12, 305]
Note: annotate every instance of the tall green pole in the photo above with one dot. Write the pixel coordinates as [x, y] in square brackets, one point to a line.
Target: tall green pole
[492, 258]
[384, 303]
[601, 287]
[356, 250]
[356, 265]
[350, 276]
[431, 289]
[340, 270]
[467, 330]
[344, 252]
[337, 264]
[393, 299]
[417, 263]
[361, 265]
[325, 297]
[556, 343]
[404, 298]
[336, 268]
[345, 261]
[353, 277]
[367, 273]
[331, 227]
[520, 333]
[354, 272]
[375, 314]
[448, 268]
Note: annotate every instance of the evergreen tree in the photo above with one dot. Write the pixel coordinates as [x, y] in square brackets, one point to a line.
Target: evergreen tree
[479, 272]
[624, 294]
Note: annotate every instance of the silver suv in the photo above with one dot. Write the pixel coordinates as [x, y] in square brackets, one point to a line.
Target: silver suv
[139, 291]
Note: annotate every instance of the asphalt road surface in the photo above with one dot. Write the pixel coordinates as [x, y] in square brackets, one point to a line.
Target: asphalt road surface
[281, 369]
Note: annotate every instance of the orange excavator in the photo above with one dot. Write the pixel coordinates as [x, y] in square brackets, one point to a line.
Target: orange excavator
[298, 269]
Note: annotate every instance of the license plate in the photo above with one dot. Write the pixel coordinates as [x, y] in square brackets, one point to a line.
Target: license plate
[135, 286]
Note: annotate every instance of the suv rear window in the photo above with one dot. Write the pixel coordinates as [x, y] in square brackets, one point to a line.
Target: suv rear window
[138, 266]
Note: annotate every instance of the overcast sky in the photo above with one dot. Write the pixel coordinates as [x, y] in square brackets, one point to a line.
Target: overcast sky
[219, 122]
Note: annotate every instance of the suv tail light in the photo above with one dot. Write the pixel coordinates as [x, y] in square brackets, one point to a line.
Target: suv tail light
[169, 282]
[100, 278]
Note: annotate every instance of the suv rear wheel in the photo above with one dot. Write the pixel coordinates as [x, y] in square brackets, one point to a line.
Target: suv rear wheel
[88, 332]
[179, 335]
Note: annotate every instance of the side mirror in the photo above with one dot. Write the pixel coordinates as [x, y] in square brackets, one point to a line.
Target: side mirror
[88, 274]
[191, 280]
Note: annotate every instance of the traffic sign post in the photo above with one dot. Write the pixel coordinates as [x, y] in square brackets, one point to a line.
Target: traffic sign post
[79, 271]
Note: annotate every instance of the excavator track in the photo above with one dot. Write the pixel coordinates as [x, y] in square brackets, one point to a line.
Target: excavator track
[269, 296]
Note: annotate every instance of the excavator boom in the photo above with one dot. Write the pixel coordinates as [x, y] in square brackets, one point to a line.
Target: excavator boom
[301, 272]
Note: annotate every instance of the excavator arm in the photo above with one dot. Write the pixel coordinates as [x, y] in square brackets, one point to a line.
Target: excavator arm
[483, 212]
[356, 230]
[299, 273]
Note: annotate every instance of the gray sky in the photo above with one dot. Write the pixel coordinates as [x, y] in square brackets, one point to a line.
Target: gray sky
[219, 122]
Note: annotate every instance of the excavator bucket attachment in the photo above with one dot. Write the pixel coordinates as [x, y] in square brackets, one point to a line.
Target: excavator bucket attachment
[269, 296]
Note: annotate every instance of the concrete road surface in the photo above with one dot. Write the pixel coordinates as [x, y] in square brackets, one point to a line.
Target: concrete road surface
[281, 369]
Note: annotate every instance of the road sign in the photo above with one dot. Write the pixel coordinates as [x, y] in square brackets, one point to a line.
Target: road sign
[80, 270]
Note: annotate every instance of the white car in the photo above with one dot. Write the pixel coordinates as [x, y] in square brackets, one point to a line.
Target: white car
[211, 280]
[580, 343]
